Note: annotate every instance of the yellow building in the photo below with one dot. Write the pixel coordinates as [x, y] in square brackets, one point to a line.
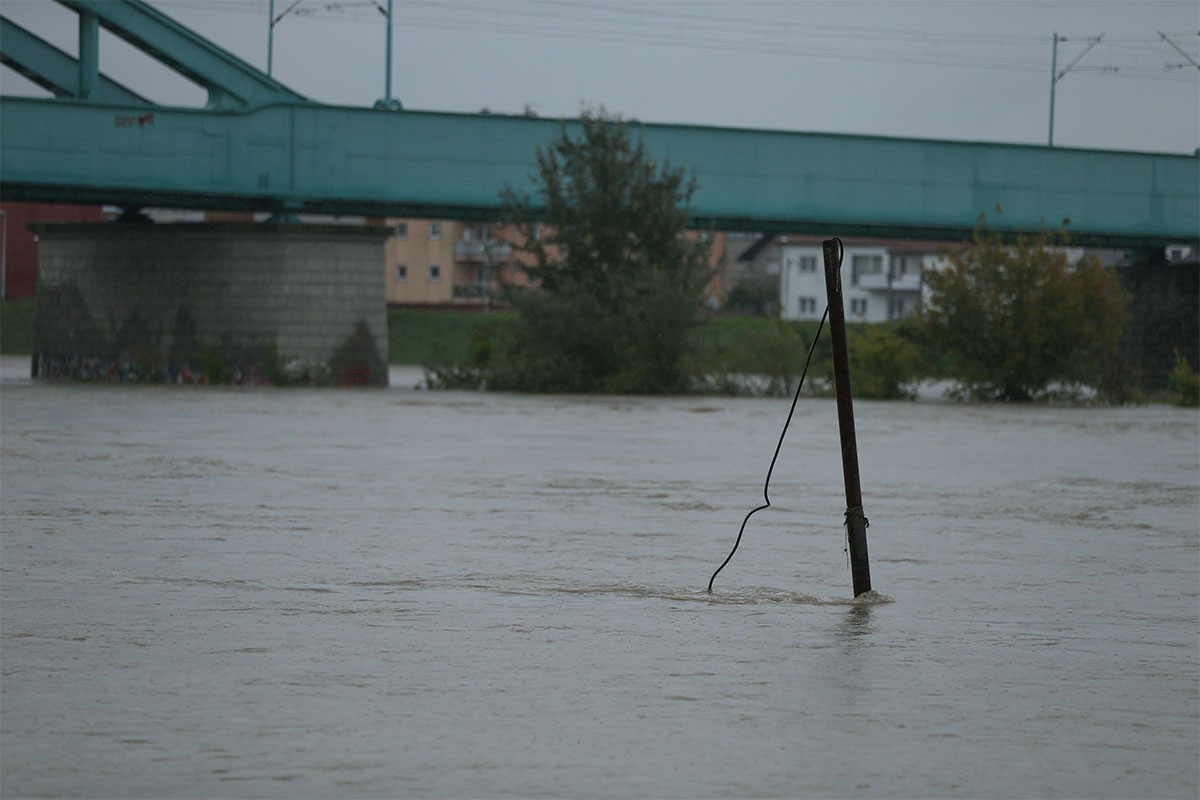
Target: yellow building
[448, 263]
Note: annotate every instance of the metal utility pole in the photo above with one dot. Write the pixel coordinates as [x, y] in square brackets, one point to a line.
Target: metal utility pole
[272, 21]
[270, 36]
[1053, 83]
[856, 521]
[1056, 75]
[388, 82]
[387, 103]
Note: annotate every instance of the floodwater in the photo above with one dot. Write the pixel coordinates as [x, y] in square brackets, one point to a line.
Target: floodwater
[394, 593]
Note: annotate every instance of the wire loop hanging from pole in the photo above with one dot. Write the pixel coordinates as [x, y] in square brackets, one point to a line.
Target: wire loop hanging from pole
[767, 484]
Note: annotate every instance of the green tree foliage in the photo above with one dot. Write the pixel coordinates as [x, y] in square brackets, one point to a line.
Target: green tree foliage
[758, 294]
[1011, 318]
[755, 355]
[885, 362]
[1185, 382]
[16, 327]
[621, 283]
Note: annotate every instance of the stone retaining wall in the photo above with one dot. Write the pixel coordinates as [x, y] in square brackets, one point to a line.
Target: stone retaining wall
[211, 303]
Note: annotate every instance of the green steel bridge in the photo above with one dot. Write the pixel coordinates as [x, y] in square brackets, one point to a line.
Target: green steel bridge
[258, 145]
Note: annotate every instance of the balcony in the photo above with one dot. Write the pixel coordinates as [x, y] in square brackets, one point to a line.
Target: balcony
[468, 291]
[482, 251]
[472, 295]
[871, 281]
[910, 281]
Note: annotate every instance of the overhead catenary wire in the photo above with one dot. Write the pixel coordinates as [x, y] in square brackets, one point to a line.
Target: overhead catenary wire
[1179, 49]
[623, 23]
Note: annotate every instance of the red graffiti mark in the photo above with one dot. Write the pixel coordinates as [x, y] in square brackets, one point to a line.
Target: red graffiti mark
[356, 375]
[129, 120]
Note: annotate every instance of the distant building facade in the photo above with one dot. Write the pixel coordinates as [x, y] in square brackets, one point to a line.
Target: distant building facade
[746, 272]
[449, 263]
[881, 279]
[457, 264]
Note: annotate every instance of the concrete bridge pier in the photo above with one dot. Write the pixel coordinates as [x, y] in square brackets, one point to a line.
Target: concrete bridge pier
[211, 303]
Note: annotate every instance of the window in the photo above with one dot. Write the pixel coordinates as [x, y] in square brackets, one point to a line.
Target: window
[897, 307]
[808, 263]
[435, 273]
[435, 230]
[401, 230]
[858, 307]
[905, 265]
[401, 273]
[865, 265]
[808, 305]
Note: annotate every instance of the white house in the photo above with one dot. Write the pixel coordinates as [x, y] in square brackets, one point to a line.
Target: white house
[881, 280]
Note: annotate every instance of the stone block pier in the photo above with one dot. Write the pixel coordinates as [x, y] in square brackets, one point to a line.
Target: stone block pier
[211, 303]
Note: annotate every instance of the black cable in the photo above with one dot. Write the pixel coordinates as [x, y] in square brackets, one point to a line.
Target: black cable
[766, 499]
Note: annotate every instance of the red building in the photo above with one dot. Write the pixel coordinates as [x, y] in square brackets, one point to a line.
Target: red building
[19, 247]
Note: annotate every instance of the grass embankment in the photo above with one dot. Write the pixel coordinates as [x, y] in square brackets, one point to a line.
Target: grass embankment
[733, 345]
[736, 344]
[16, 327]
[442, 337]
[885, 359]
[437, 337]
[735, 355]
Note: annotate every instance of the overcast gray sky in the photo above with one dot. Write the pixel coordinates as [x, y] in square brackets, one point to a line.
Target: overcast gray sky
[912, 68]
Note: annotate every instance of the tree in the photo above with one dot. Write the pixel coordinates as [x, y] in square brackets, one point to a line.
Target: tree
[620, 283]
[757, 293]
[1012, 318]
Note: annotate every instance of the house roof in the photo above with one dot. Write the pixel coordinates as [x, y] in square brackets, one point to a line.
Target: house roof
[896, 246]
[752, 252]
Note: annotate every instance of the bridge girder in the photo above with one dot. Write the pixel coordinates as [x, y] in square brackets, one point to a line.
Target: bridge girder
[52, 69]
[261, 146]
[320, 159]
[230, 81]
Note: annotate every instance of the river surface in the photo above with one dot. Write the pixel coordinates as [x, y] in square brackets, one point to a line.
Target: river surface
[299, 593]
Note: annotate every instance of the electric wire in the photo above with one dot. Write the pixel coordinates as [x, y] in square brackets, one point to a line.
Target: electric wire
[617, 24]
[795, 398]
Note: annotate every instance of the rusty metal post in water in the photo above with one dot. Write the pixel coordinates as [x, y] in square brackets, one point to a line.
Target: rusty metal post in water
[856, 521]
